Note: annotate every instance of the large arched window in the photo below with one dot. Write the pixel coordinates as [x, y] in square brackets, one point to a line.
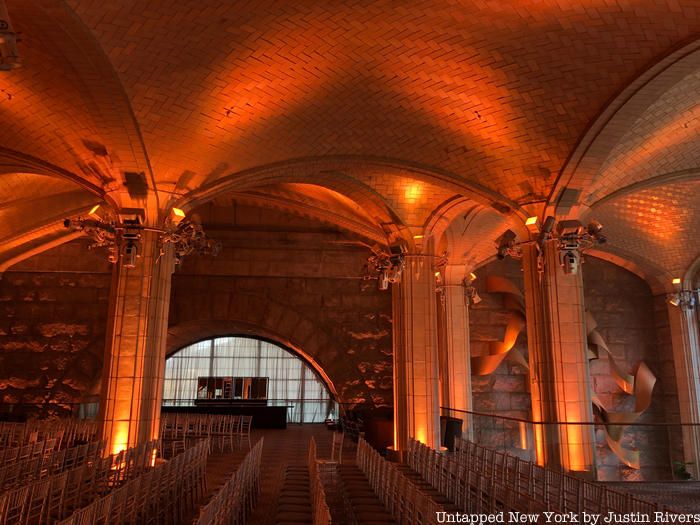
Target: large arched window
[290, 380]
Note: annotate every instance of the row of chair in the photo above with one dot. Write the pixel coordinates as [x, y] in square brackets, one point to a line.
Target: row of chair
[477, 479]
[320, 512]
[403, 498]
[234, 501]
[56, 496]
[221, 430]
[163, 495]
[67, 432]
[34, 450]
[51, 462]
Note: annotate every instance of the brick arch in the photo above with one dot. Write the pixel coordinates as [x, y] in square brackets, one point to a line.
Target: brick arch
[255, 315]
[583, 166]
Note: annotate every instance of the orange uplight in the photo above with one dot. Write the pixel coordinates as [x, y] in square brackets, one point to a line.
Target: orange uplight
[530, 221]
[539, 445]
[421, 435]
[676, 280]
[523, 435]
[120, 436]
[417, 236]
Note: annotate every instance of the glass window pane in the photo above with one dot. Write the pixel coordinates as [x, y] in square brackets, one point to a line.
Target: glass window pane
[243, 357]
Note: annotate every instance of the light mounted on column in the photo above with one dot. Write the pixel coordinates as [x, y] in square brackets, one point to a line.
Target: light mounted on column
[572, 238]
[684, 299]
[471, 295]
[387, 266]
[121, 235]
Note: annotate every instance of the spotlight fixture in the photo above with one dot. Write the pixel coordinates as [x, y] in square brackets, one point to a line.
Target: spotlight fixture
[471, 295]
[532, 224]
[569, 261]
[571, 235]
[684, 299]
[506, 244]
[176, 215]
[388, 266]
[122, 236]
[9, 56]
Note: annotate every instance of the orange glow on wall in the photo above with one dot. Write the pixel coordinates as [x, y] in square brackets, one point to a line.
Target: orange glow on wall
[523, 435]
[539, 445]
[120, 436]
[422, 434]
[413, 192]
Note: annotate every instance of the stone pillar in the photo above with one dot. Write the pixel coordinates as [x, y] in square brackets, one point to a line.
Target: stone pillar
[134, 367]
[416, 405]
[455, 365]
[557, 347]
[686, 358]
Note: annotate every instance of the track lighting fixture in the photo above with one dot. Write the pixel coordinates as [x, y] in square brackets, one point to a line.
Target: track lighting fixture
[122, 235]
[571, 235]
[506, 244]
[470, 293]
[684, 299]
[388, 266]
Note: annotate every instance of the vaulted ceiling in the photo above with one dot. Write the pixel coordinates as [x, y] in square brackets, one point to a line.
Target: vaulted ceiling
[391, 111]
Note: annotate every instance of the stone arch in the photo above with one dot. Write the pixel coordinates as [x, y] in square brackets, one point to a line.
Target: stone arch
[189, 333]
[259, 316]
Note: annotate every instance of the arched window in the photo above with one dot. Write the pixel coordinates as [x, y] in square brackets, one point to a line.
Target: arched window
[224, 363]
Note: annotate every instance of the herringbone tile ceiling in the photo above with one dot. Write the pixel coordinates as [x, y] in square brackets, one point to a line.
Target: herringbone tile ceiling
[457, 96]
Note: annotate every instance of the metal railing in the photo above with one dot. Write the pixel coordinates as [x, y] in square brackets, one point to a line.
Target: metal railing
[658, 445]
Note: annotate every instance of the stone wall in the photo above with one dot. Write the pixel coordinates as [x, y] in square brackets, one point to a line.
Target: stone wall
[53, 311]
[298, 283]
[504, 392]
[635, 327]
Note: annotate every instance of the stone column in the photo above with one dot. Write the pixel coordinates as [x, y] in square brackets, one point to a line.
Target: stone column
[686, 358]
[455, 365]
[416, 406]
[134, 366]
[559, 376]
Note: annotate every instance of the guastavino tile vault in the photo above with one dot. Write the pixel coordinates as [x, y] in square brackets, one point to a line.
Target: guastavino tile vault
[366, 262]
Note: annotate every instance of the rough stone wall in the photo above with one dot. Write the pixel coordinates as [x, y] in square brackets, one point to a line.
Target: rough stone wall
[505, 391]
[53, 311]
[635, 327]
[285, 278]
[344, 326]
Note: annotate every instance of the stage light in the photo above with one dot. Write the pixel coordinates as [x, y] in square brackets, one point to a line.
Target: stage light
[570, 262]
[506, 242]
[94, 212]
[384, 280]
[533, 225]
[176, 215]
